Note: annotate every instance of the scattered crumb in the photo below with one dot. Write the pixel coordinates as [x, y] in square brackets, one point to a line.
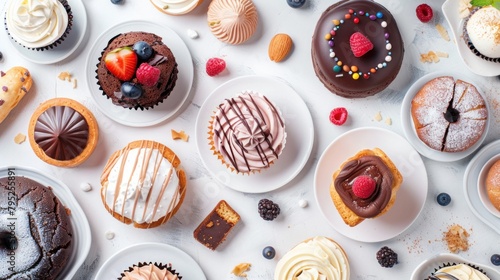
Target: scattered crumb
[378, 116]
[64, 76]
[388, 121]
[86, 187]
[179, 135]
[442, 31]
[456, 238]
[442, 54]
[20, 138]
[431, 56]
[109, 235]
[303, 203]
[192, 33]
[240, 269]
[74, 83]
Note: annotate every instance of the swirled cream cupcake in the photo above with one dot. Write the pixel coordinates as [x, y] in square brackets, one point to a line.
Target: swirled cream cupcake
[176, 7]
[142, 184]
[482, 33]
[232, 21]
[318, 258]
[247, 132]
[460, 271]
[38, 24]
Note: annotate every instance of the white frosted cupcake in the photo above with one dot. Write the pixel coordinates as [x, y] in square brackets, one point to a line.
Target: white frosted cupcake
[247, 132]
[482, 33]
[38, 24]
[314, 259]
[176, 7]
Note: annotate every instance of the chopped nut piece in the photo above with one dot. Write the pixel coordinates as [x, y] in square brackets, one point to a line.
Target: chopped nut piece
[20, 138]
[456, 238]
[240, 269]
[74, 83]
[179, 135]
[378, 116]
[432, 56]
[442, 31]
[388, 121]
[65, 76]
[442, 54]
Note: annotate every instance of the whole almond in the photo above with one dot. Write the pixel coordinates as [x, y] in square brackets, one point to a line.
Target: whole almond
[279, 47]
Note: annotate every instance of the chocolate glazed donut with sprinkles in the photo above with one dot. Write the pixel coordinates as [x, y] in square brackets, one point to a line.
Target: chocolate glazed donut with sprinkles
[247, 132]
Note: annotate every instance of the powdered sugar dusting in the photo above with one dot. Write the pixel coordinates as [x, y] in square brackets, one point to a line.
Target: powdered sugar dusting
[467, 97]
[463, 134]
[27, 252]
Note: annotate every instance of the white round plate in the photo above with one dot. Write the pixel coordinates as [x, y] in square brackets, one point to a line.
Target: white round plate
[481, 186]
[410, 197]
[471, 176]
[81, 229]
[424, 269]
[299, 129]
[161, 112]
[184, 264]
[67, 47]
[475, 64]
[409, 129]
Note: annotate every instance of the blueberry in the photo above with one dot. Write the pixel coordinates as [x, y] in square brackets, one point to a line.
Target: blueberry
[443, 199]
[268, 252]
[116, 1]
[495, 259]
[143, 50]
[296, 3]
[131, 90]
[8, 241]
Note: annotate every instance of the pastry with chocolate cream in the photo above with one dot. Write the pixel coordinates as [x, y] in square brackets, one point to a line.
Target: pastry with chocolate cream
[449, 115]
[63, 132]
[247, 133]
[150, 271]
[143, 184]
[365, 186]
[42, 240]
[493, 184]
[315, 258]
[356, 49]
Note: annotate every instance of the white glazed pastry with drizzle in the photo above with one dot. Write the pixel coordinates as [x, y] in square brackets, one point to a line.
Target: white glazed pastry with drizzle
[318, 258]
[36, 23]
[248, 132]
[142, 184]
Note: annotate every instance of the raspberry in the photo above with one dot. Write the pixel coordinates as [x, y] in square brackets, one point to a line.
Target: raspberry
[338, 116]
[424, 12]
[363, 186]
[360, 44]
[147, 75]
[215, 66]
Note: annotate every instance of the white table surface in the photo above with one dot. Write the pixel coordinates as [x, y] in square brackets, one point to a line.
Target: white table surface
[422, 240]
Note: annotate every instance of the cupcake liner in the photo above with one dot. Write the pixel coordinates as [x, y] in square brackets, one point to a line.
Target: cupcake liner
[447, 264]
[470, 45]
[172, 81]
[221, 157]
[159, 265]
[67, 7]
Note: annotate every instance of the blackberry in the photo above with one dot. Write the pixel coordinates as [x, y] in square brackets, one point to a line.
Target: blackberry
[387, 257]
[268, 210]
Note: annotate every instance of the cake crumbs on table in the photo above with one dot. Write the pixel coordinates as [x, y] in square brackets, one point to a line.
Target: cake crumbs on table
[378, 116]
[241, 269]
[456, 237]
[66, 76]
[443, 32]
[19, 138]
[176, 135]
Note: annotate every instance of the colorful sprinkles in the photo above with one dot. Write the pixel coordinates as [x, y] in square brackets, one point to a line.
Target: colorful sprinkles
[353, 70]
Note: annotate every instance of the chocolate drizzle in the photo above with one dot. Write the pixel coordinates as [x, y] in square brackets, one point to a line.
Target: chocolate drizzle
[61, 132]
[374, 167]
[250, 120]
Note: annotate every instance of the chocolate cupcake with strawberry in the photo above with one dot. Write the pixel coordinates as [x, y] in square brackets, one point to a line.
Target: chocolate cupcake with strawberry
[137, 70]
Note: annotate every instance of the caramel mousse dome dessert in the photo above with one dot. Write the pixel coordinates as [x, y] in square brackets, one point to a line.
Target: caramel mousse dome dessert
[482, 33]
[63, 132]
[38, 24]
[247, 133]
[43, 240]
[143, 184]
[315, 258]
[365, 186]
[176, 7]
[356, 49]
[137, 70]
[449, 115]
[232, 21]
